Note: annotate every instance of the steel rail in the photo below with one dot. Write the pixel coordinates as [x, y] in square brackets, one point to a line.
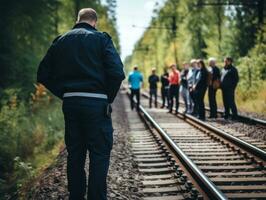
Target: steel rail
[206, 184]
[242, 118]
[240, 143]
[203, 181]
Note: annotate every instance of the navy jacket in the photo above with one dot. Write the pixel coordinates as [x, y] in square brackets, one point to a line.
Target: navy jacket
[201, 82]
[215, 73]
[82, 60]
[229, 78]
[153, 80]
[164, 80]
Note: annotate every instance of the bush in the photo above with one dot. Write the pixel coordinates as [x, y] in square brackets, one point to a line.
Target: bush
[28, 129]
[252, 71]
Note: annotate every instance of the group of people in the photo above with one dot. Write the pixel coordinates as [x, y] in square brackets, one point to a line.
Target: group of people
[192, 83]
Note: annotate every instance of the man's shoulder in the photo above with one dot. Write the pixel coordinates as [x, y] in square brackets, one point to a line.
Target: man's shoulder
[234, 68]
[84, 31]
[106, 35]
[216, 68]
[57, 38]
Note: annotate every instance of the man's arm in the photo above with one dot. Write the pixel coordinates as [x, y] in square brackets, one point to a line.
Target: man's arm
[44, 74]
[149, 79]
[216, 74]
[113, 68]
[141, 77]
[235, 77]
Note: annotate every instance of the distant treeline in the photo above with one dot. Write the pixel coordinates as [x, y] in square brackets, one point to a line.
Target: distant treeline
[182, 30]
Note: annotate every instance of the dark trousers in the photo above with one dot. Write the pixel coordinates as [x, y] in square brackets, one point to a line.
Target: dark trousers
[134, 92]
[165, 98]
[173, 93]
[153, 92]
[229, 102]
[212, 101]
[200, 93]
[87, 128]
[194, 105]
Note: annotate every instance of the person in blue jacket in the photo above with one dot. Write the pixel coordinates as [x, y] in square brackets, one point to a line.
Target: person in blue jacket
[135, 80]
[83, 68]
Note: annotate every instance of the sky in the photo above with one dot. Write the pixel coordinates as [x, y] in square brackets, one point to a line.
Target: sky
[129, 13]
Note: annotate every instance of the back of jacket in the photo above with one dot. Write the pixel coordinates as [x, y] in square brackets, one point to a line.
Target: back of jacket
[135, 79]
[82, 60]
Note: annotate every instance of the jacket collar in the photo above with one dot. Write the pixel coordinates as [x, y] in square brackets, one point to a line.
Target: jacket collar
[228, 67]
[84, 25]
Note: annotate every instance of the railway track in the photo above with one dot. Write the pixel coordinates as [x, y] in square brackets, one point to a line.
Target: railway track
[161, 175]
[242, 118]
[236, 169]
[240, 135]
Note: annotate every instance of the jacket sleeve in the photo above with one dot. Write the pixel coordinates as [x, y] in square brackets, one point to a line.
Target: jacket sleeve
[178, 77]
[216, 74]
[235, 77]
[113, 68]
[202, 81]
[45, 72]
[141, 78]
[149, 79]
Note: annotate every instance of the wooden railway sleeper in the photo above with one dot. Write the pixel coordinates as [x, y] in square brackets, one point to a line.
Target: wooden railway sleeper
[181, 176]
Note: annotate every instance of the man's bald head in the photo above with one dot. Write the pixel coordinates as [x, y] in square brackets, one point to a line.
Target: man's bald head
[87, 15]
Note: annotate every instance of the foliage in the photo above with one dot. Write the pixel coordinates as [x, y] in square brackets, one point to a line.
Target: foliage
[204, 31]
[252, 73]
[27, 29]
[31, 122]
[27, 129]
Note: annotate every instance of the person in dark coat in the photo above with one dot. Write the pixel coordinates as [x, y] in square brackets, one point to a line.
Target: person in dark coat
[153, 80]
[83, 68]
[229, 80]
[165, 88]
[214, 84]
[200, 88]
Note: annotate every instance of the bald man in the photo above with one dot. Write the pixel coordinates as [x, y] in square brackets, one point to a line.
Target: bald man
[83, 68]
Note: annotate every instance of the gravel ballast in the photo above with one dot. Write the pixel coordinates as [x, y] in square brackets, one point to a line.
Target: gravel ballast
[123, 181]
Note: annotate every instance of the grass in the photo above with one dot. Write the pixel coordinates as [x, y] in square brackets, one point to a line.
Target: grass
[255, 103]
[31, 137]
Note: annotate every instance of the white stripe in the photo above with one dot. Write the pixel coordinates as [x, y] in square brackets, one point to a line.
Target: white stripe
[85, 94]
